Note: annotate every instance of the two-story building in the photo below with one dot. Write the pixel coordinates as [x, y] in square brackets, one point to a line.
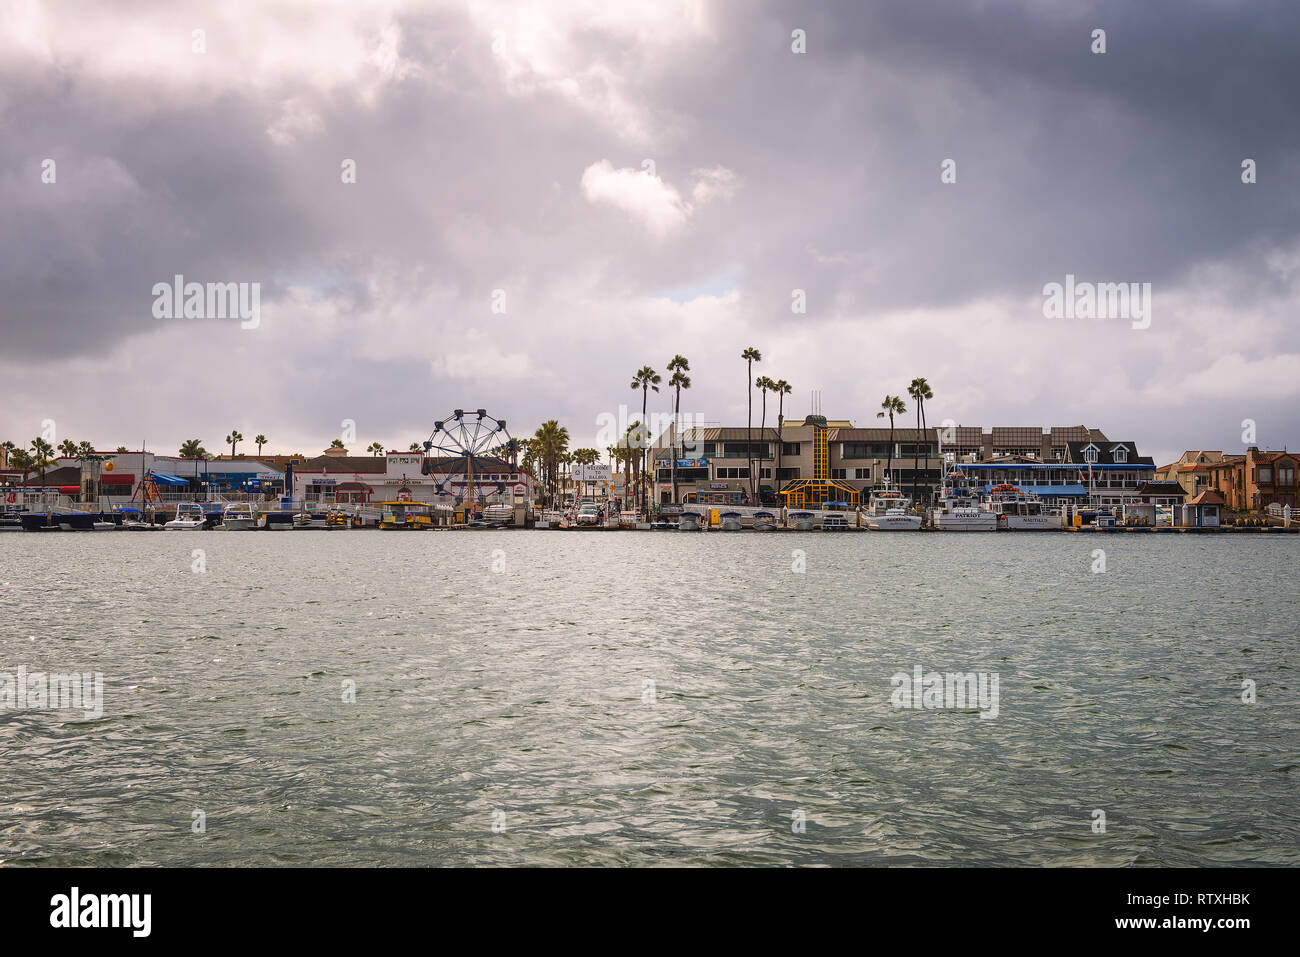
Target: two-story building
[1257, 479]
[1111, 471]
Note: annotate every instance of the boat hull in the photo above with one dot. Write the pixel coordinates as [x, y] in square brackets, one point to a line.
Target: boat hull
[981, 522]
[893, 523]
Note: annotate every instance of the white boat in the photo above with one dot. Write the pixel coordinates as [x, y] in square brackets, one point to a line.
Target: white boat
[730, 521]
[835, 523]
[689, 522]
[801, 521]
[887, 512]
[104, 526]
[627, 519]
[764, 522]
[958, 509]
[238, 517]
[1018, 511]
[189, 516]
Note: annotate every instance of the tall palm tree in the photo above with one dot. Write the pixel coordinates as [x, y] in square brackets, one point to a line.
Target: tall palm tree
[68, 448]
[893, 405]
[678, 366]
[919, 390]
[8, 448]
[750, 355]
[645, 379]
[85, 450]
[192, 449]
[782, 389]
[415, 447]
[121, 448]
[764, 385]
[21, 460]
[375, 448]
[234, 438]
[552, 440]
[585, 457]
[259, 440]
[41, 452]
[926, 395]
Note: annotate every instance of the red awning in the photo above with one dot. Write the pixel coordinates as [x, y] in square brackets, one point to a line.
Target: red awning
[69, 489]
[117, 479]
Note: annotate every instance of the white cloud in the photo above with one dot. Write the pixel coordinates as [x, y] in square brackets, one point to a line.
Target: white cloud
[646, 198]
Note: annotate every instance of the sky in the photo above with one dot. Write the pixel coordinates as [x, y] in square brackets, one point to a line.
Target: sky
[548, 196]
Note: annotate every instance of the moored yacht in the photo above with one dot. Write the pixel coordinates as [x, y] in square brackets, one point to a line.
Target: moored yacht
[238, 517]
[887, 512]
[1018, 511]
[189, 516]
[958, 509]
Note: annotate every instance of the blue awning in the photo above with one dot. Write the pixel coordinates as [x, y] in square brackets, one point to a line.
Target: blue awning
[162, 478]
[1051, 491]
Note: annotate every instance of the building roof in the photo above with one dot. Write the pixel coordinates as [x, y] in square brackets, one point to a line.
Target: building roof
[1106, 454]
[881, 435]
[343, 463]
[1266, 458]
[1210, 496]
[1160, 488]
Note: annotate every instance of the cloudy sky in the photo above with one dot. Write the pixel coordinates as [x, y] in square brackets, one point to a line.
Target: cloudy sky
[626, 181]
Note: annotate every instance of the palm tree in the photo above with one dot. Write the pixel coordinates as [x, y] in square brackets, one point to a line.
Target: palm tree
[678, 366]
[336, 443]
[919, 390]
[585, 457]
[415, 447]
[85, 451]
[233, 438]
[645, 379]
[552, 441]
[121, 448]
[259, 440]
[8, 448]
[192, 449]
[750, 355]
[893, 405]
[782, 389]
[41, 452]
[764, 385]
[375, 448]
[22, 461]
[68, 448]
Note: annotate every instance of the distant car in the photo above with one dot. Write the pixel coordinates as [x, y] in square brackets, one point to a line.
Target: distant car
[588, 515]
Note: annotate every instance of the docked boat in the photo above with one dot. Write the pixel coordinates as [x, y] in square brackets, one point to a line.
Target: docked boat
[730, 521]
[238, 517]
[405, 515]
[764, 522]
[958, 509]
[835, 523]
[887, 512]
[801, 521]
[189, 517]
[690, 522]
[1018, 511]
[498, 516]
[58, 518]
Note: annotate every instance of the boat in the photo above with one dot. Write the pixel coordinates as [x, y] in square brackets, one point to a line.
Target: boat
[801, 521]
[276, 520]
[730, 521]
[887, 512]
[405, 515]
[764, 522]
[958, 508]
[238, 517]
[690, 522]
[498, 516]
[189, 517]
[133, 520]
[104, 526]
[627, 519]
[58, 518]
[835, 523]
[1018, 511]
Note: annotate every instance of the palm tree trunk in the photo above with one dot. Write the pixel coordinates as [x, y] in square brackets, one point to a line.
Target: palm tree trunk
[915, 449]
[923, 433]
[762, 435]
[749, 425]
[889, 460]
[645, 394]
[677, 415]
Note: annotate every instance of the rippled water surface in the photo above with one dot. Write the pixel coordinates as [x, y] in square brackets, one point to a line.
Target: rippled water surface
[506, 717]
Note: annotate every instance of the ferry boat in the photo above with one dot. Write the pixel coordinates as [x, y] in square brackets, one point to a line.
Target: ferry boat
[887, 512]
[189, 517]
[690, 522]
[1018, 511]
[958, 509]
[730, 521]
[238, 517]
[408, 515]
[801, 521]
[764, 522]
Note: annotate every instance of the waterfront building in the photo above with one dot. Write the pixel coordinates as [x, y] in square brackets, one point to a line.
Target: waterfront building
[114, 477]
[1257, 479]
[1112, 471]
[975, 444]
[1192, 470]
[1060, 483]
[406, 476]
[807, 459]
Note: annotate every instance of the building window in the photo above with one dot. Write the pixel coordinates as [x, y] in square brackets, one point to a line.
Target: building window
[838, 474]
[733, 473]
[1090, 454]
[789, 448]
[787, 474]
[1285, 475]
[765, 473]
[1121, 455]
[1265, 475]
[863, 473]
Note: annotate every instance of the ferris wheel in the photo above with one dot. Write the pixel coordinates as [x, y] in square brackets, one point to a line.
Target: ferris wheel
[462, 438]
